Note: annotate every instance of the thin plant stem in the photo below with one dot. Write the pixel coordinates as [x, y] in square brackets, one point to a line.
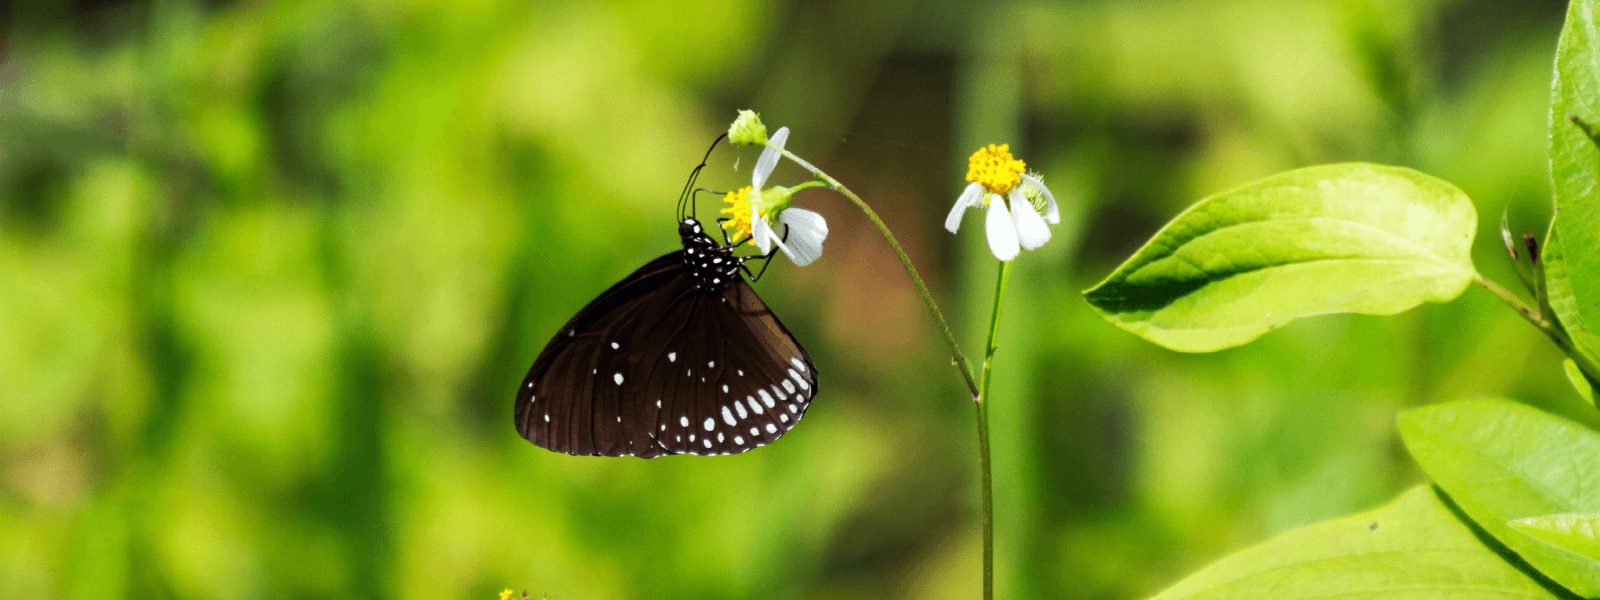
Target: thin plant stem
[1538, 319]
[982, 409]
[956, 355]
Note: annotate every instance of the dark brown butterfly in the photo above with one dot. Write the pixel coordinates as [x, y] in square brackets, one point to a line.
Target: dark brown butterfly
[679, 357]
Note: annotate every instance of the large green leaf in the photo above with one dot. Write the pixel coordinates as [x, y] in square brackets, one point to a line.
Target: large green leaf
[1572, 248]
[1578, 533]
[1414, 547]
[1344, 238]
[1503, 461]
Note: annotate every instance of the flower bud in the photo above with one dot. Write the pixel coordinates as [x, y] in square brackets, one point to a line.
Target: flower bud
[748, 129]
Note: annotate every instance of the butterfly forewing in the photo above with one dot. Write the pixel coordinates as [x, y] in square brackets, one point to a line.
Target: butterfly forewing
[670, 360]
[572, 397]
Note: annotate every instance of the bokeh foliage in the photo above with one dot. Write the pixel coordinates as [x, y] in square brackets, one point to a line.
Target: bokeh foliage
[270, 272]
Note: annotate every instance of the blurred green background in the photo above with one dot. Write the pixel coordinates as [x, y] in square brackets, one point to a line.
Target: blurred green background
[270, 273]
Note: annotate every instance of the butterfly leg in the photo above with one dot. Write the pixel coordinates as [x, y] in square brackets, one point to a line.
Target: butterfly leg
[766, 260]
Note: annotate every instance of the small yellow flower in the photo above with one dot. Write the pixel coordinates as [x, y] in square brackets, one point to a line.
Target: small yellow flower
[739, 215]
[1020, 208]
[506, 594]
[994, 168]
[761, 214]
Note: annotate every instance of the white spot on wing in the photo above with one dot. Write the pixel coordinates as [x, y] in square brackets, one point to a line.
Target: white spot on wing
[767, 398]
[755, 406]
[801, 381]
[707, 443]
[683, 421]
[727, 416]
[617, 377]
[672, 357]
[738, 440]
[788, 385]
[743, 414]
[720, 439]
[774, 428]
[783, 417]
[779, 392]
[615, 346]
[710, 423]
[798, 364]
[724, 388]
[547, 417]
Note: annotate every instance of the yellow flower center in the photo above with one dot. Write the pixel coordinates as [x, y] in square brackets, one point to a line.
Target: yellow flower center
[739, 215]
[994, 168]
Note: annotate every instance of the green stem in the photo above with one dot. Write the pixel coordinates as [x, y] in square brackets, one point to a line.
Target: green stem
[1550, 328]
[982, 409]
[905, 262]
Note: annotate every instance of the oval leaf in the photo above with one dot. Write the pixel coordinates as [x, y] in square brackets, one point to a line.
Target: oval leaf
[1415, 547]
[1572, 248]
[1502, 461]
[1578, 533]
[1345, 238]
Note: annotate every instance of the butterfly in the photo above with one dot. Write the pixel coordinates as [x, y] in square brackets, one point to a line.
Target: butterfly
[680, 357]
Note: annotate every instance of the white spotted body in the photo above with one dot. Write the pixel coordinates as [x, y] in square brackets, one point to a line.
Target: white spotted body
[712, 265]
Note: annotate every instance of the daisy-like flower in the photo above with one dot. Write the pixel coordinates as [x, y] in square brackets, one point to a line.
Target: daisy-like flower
[764, 215]
[1015, 199]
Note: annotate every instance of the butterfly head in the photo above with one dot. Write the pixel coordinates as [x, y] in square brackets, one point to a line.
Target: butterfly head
[712, 265]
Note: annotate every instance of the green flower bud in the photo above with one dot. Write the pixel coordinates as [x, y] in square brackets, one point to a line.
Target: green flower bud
[748, 129]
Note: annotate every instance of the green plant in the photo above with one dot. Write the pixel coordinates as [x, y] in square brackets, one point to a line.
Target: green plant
[1515, 505]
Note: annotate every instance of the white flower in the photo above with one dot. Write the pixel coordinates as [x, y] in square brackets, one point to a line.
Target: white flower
[764, 215]
[999, 182]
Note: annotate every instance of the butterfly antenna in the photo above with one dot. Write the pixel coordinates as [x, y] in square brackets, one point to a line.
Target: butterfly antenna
[685, 197]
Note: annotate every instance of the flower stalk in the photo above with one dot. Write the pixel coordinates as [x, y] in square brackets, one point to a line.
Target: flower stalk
[957, 357]
[982, 409]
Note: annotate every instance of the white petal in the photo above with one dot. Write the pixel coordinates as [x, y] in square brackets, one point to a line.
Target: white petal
[1052, 214]
[1031, 230]
[761, 233]
[1002, 232]
[968, 199]
[807, 230]
[769, 159]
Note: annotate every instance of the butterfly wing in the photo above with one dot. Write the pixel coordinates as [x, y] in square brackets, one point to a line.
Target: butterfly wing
[655, 366]
[579, 391]
[744, 382]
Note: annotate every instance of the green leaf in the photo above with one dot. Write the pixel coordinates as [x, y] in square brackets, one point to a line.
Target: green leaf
[1579, 381]
[1501, 461]
[1414, 547]
[1344, 238]
[1572, 248]
[1578, 533]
